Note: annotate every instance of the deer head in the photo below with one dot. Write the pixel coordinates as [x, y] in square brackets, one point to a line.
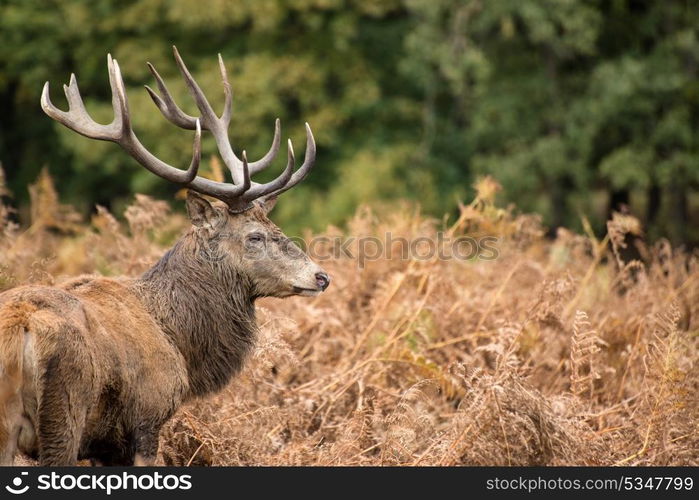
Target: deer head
[234, 233]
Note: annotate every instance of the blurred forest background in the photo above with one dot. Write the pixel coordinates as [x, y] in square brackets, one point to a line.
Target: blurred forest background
[577, 107]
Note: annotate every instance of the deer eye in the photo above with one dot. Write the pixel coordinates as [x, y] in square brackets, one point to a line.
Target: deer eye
[256, 238]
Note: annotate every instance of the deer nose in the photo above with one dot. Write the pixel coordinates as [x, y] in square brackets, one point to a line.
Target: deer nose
[323, 280]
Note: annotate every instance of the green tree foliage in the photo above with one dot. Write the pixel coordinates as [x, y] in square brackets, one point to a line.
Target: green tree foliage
[573, 105]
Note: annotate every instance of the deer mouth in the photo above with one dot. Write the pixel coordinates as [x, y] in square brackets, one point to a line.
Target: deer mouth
[306, 292]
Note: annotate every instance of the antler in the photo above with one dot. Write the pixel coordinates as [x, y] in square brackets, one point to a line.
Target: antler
[240, 194]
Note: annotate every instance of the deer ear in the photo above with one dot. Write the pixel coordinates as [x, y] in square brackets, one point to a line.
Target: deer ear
[201, 212]
[269, 203]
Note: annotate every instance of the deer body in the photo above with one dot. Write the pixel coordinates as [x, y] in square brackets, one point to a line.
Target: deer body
[98, 376]
[94, 367]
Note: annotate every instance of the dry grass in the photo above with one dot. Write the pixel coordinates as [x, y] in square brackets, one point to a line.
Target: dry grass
[557, 353]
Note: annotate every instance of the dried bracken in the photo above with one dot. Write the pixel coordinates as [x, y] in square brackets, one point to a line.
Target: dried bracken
[583, 357]
[436, 362]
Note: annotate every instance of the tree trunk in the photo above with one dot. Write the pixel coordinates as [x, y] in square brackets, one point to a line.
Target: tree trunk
[653, 203]
[618, 201]
[679, 212]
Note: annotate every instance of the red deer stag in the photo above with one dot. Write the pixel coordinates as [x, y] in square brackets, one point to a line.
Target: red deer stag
[94, 367]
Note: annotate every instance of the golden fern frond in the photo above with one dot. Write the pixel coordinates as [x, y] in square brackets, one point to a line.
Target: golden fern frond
[584, 347]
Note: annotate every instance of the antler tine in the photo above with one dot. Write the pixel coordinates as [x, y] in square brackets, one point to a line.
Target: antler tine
[127, 138]
[228, 93]
[308, 163]
[121, 110]
[167, 105]
[218, 126]
[260, 190]
[76, 118]
[208, 116]
[211, 122]
[268, 158]
[238, 196]
[119, 130]
[72, 93]
[174, 113]
[228, 193]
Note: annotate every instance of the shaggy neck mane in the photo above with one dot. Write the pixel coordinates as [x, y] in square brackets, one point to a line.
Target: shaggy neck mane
[206, 309]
